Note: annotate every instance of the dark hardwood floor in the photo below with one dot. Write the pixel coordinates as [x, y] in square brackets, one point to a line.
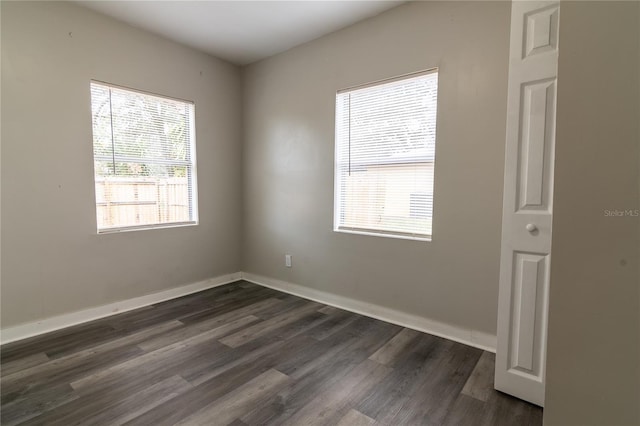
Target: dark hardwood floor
[242, 354]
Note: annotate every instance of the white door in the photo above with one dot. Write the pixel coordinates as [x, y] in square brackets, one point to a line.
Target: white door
[527, 204]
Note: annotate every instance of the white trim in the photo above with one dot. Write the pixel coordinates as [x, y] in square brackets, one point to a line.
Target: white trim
[23, 331]
[384, 81]
[142, 92]
[383, 234]
[117, 229]
[475, 338]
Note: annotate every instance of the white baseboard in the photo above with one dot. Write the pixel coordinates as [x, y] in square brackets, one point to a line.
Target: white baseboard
[23, 331]
[478, 339]
[469, 337]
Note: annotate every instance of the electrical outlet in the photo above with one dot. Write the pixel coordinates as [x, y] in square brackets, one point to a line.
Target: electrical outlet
[287, 260]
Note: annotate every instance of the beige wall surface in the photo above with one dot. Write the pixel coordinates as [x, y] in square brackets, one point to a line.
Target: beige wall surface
[288, 158]
[593, 372]
[53, 261]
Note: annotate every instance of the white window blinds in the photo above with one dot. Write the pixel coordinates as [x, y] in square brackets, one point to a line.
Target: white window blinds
[385, 152]
[144, 159]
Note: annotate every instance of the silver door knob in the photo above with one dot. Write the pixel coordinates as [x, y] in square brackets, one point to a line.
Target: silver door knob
[531, 227]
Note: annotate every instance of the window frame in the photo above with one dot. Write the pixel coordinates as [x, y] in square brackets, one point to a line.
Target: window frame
[337, 196]
[190, 165]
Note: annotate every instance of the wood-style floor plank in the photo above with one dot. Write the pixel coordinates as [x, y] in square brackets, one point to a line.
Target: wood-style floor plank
[254, 331]
[138, 403]
[246, 355]
[56, 367]
[223, 324]
[393, 347]
[206, 392]
[37, 403]
[19, 364]
[410, 370]
[21, 386]
[162, 356]
[116, 409]
[330, 406]
[442, 383]
[338, 320]
[356, 418]
[315, 374]
[232, 405]
[479, 385]
[77, 337]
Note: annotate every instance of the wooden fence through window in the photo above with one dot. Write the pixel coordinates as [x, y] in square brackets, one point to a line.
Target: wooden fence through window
[130, 201]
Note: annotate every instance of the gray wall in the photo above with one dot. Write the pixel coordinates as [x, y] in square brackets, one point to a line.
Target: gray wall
[53, 261]
[593, 373]
[288, 155]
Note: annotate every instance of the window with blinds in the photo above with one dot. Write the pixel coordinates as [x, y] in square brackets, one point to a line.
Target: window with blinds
[385, 153]
[144, 159]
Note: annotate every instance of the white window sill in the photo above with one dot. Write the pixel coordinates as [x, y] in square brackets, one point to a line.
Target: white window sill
[384, 234]
[145, 227]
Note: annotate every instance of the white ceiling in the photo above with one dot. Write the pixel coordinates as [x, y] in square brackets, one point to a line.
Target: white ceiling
[241, 32]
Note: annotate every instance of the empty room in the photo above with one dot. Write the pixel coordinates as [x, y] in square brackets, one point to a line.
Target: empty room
[320, 213]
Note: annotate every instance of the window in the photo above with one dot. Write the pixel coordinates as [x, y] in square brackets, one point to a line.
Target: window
[385, 152]
[144, 159]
